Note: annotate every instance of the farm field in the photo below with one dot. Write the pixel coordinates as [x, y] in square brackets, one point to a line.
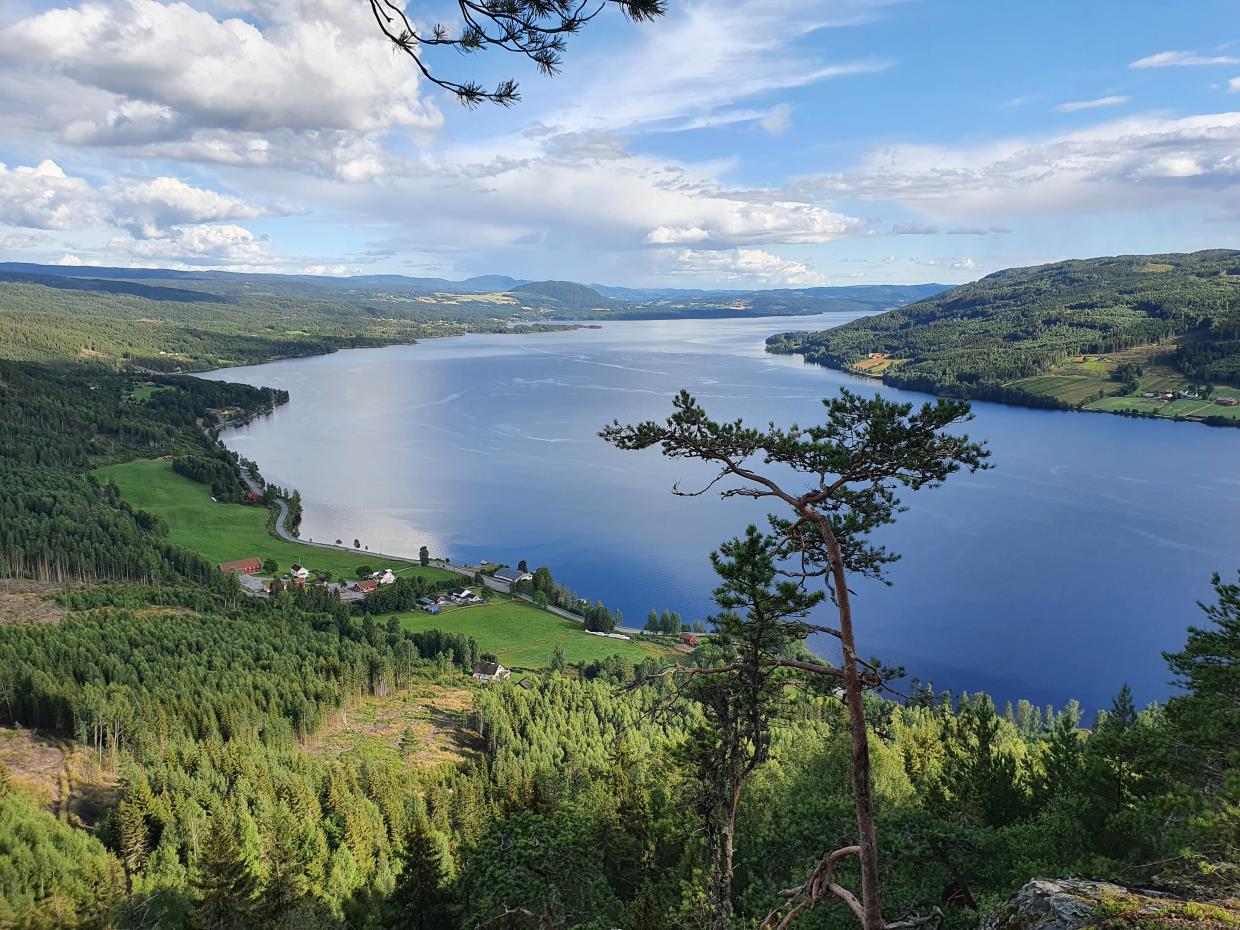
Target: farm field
[223, 532]
[876, 367]
[1184, 407]
[1078, 380]
[522, 636]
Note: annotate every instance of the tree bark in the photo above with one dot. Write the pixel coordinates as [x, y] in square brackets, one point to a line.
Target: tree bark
[854, 690]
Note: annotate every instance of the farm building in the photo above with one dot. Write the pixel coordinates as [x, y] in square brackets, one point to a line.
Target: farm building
[299, 571]
[490, 671]
[688, 639]
[513, 575]
[1227, 402]
[245, 566]
[365, 587]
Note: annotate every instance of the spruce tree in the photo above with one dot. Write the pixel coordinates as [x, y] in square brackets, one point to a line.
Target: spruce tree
[225, 881]
[419, 901]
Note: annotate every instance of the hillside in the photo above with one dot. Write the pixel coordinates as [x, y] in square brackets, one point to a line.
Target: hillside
[374, 309]
[563, 295]
[1114, 334]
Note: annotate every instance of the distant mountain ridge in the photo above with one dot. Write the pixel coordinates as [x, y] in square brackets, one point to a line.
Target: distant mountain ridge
[560, 300]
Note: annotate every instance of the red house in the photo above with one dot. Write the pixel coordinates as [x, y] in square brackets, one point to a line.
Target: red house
[253, 496]
[688, 639]
[365, 587]
[245, 566]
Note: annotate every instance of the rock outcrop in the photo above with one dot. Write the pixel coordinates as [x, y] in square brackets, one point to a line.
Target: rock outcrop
[1076, 904]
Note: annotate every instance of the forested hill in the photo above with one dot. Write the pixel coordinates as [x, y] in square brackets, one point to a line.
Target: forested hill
[1030, 335]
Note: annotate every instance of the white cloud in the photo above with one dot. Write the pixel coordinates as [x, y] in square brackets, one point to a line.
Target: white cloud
[667, 235]
[44, 197]
[163, 220]
[303, 82]
[1234, 85]
[1129, 164]
[1182, 60]
[742, 266]
[778, 121]
[221, 244]
[1073, 107]
[149, 207]
[705, 57]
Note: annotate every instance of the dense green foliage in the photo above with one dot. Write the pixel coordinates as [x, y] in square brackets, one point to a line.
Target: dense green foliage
[579, 803]
[973, 340]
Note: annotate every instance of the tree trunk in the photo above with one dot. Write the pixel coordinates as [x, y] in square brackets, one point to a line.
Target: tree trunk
[863, 795]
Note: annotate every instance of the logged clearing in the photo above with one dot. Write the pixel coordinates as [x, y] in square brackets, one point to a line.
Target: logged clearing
[64, 777]
[425, 727]
[29, 602]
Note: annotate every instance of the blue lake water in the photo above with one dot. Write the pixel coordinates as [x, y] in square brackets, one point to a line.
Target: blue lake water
[1061, 573]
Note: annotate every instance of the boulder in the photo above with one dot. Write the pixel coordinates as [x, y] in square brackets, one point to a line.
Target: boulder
[1077, 904]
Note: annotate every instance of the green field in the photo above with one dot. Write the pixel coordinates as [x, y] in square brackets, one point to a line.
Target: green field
[1184, 407]
[224, 532]
[146, 391]
[522, 636]
[1078, 380]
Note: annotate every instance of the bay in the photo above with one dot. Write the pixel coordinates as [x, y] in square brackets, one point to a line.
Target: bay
[1061, 573]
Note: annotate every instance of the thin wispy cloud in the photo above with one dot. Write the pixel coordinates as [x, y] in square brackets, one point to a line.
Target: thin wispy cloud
[1183, 60]
[1096, 104]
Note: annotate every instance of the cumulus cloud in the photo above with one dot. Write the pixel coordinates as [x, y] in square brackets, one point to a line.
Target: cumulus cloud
[44, 197]
[1182, 60]
[163, 220]
[149, 208]
[1096, 104]
[742, 266]
[219, 244]
[169, 79]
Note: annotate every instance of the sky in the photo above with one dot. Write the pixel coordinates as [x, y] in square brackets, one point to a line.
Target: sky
[733, 143]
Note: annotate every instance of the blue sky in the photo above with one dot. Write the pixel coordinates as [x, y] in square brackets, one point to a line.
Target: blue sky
[743, 144]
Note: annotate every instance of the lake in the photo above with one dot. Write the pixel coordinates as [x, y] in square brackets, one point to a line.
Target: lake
[1061, 573]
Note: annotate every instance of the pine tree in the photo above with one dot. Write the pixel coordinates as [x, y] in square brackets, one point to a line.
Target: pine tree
[225, 881]
[1207, 715]
[419, 902]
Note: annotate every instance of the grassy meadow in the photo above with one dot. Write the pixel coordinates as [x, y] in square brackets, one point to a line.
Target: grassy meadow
[522, 636]
[224, 532]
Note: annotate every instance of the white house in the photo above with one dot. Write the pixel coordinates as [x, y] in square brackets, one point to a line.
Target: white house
[490, 671]
[299, 571]
[383, 577]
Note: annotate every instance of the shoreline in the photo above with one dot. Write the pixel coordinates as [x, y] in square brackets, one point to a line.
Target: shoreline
[1218, 421]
